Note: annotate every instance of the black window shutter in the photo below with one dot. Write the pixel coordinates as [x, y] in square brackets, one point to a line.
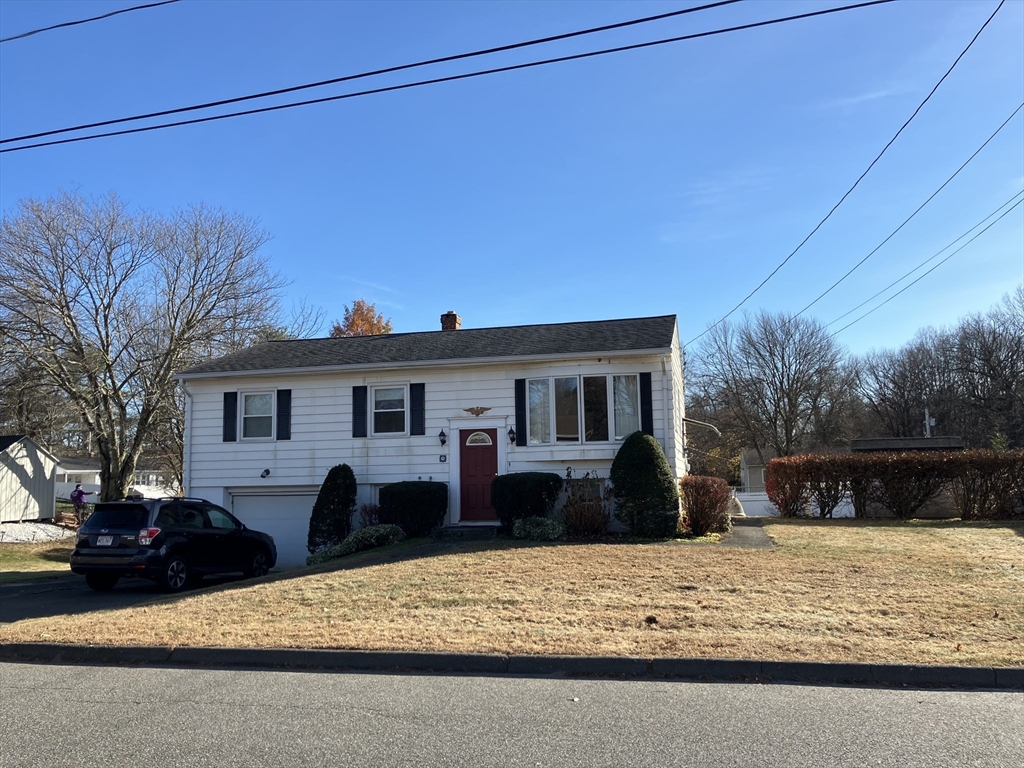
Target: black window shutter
[358, 411]
[646, 404]
[520, 411]
[284, 414]
[417, 409]
[230, 417]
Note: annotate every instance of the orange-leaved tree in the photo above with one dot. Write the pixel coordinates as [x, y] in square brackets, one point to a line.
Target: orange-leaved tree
[361, 319]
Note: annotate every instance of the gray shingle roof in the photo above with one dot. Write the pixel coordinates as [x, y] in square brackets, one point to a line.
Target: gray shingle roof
[640, 333]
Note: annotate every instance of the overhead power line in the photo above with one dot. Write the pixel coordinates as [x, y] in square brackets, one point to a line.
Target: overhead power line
[911, 216]
[84, 21]
[855, 184]
[924, 275]
[373, 73]
[451, 78]
[930, 258]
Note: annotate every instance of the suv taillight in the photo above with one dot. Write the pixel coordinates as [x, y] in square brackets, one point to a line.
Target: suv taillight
[146, 536]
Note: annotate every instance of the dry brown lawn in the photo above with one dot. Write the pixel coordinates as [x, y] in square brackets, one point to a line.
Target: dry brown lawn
[34, 560]
[923, 592]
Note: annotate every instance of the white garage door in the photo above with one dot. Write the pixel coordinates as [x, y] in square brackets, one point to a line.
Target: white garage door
[286, 518]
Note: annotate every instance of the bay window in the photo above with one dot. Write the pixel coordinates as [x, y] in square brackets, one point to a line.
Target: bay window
[590, 409]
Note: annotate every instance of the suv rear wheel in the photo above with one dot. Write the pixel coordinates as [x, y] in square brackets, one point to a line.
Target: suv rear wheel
[175, 574]
[101, 582]
[259, 564]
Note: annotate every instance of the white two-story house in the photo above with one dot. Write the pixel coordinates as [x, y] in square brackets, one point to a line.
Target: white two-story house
[460, 406]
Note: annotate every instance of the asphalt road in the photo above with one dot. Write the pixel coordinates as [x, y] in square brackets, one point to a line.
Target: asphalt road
[69, 595]
[54, 716]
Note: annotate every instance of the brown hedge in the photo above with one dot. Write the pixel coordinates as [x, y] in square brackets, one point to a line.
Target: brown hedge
[983, 484]
[705, 503]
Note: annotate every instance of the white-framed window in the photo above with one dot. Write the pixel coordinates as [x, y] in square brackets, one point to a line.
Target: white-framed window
[389, 405]
[257, 415]
[591, 409]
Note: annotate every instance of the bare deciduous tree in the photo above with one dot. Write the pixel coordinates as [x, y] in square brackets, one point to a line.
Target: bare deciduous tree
[781, 381]
[108, 304]
[970, 377]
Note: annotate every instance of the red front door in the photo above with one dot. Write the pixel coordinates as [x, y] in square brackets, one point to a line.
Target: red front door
[478, 462]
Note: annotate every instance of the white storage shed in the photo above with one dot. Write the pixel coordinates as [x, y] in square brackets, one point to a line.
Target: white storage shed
[27, 480]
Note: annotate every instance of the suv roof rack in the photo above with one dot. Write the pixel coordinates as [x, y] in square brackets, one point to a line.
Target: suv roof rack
[160, 498]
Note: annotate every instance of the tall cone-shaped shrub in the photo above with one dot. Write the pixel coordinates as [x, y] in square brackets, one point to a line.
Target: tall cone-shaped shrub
[331, 520]
[644, 488]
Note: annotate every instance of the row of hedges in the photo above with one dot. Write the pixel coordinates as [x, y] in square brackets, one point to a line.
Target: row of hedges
[416, 507]
[983, 484]
[643, 488]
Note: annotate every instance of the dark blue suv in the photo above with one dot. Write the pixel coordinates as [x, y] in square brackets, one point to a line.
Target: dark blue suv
[169, 541]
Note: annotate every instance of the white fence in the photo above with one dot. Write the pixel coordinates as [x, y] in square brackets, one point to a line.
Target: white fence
[757, 505]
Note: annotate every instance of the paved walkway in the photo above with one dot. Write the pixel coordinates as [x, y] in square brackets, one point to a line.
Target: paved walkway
[747, 533]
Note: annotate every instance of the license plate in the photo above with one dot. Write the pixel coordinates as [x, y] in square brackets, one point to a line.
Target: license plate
[104, 541]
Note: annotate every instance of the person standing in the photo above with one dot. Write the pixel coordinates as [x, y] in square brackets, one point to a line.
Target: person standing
[78, 500]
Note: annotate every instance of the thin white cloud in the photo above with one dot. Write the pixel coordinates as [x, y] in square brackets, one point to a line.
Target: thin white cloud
[849, 102]
[367, 284]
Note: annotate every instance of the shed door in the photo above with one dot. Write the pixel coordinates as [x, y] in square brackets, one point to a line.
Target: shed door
[478, 461]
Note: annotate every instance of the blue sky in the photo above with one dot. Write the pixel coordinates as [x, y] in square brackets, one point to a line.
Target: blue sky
[667, 180]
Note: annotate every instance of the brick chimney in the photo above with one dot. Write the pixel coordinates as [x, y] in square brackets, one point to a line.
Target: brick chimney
[450, 321]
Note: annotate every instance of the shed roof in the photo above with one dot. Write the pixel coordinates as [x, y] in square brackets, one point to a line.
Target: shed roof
[908, 444]
[632, 334]
[6, 441]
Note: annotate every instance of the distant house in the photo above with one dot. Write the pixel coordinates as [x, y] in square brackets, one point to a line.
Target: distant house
[150, 480]
[27, 472]
[263, 426]
[752, 469]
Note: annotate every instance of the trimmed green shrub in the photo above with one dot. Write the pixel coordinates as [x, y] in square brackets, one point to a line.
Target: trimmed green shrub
[538, 529]
[331, 519]
[415, 506]
[523, 494]
[705, 504]
[359, 541]
[645, 488]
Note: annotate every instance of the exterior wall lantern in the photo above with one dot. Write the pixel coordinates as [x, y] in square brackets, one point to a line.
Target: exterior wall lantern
[442, 437]
[512, 435]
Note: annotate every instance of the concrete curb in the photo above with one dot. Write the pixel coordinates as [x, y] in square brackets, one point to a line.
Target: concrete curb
[825, 673]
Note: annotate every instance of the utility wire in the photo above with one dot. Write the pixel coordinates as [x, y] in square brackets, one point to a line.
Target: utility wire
[855, 184]
[930, 258]
[372, 73]
[85, 21]
[954, 253]
[452, 78]
[911, 216]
